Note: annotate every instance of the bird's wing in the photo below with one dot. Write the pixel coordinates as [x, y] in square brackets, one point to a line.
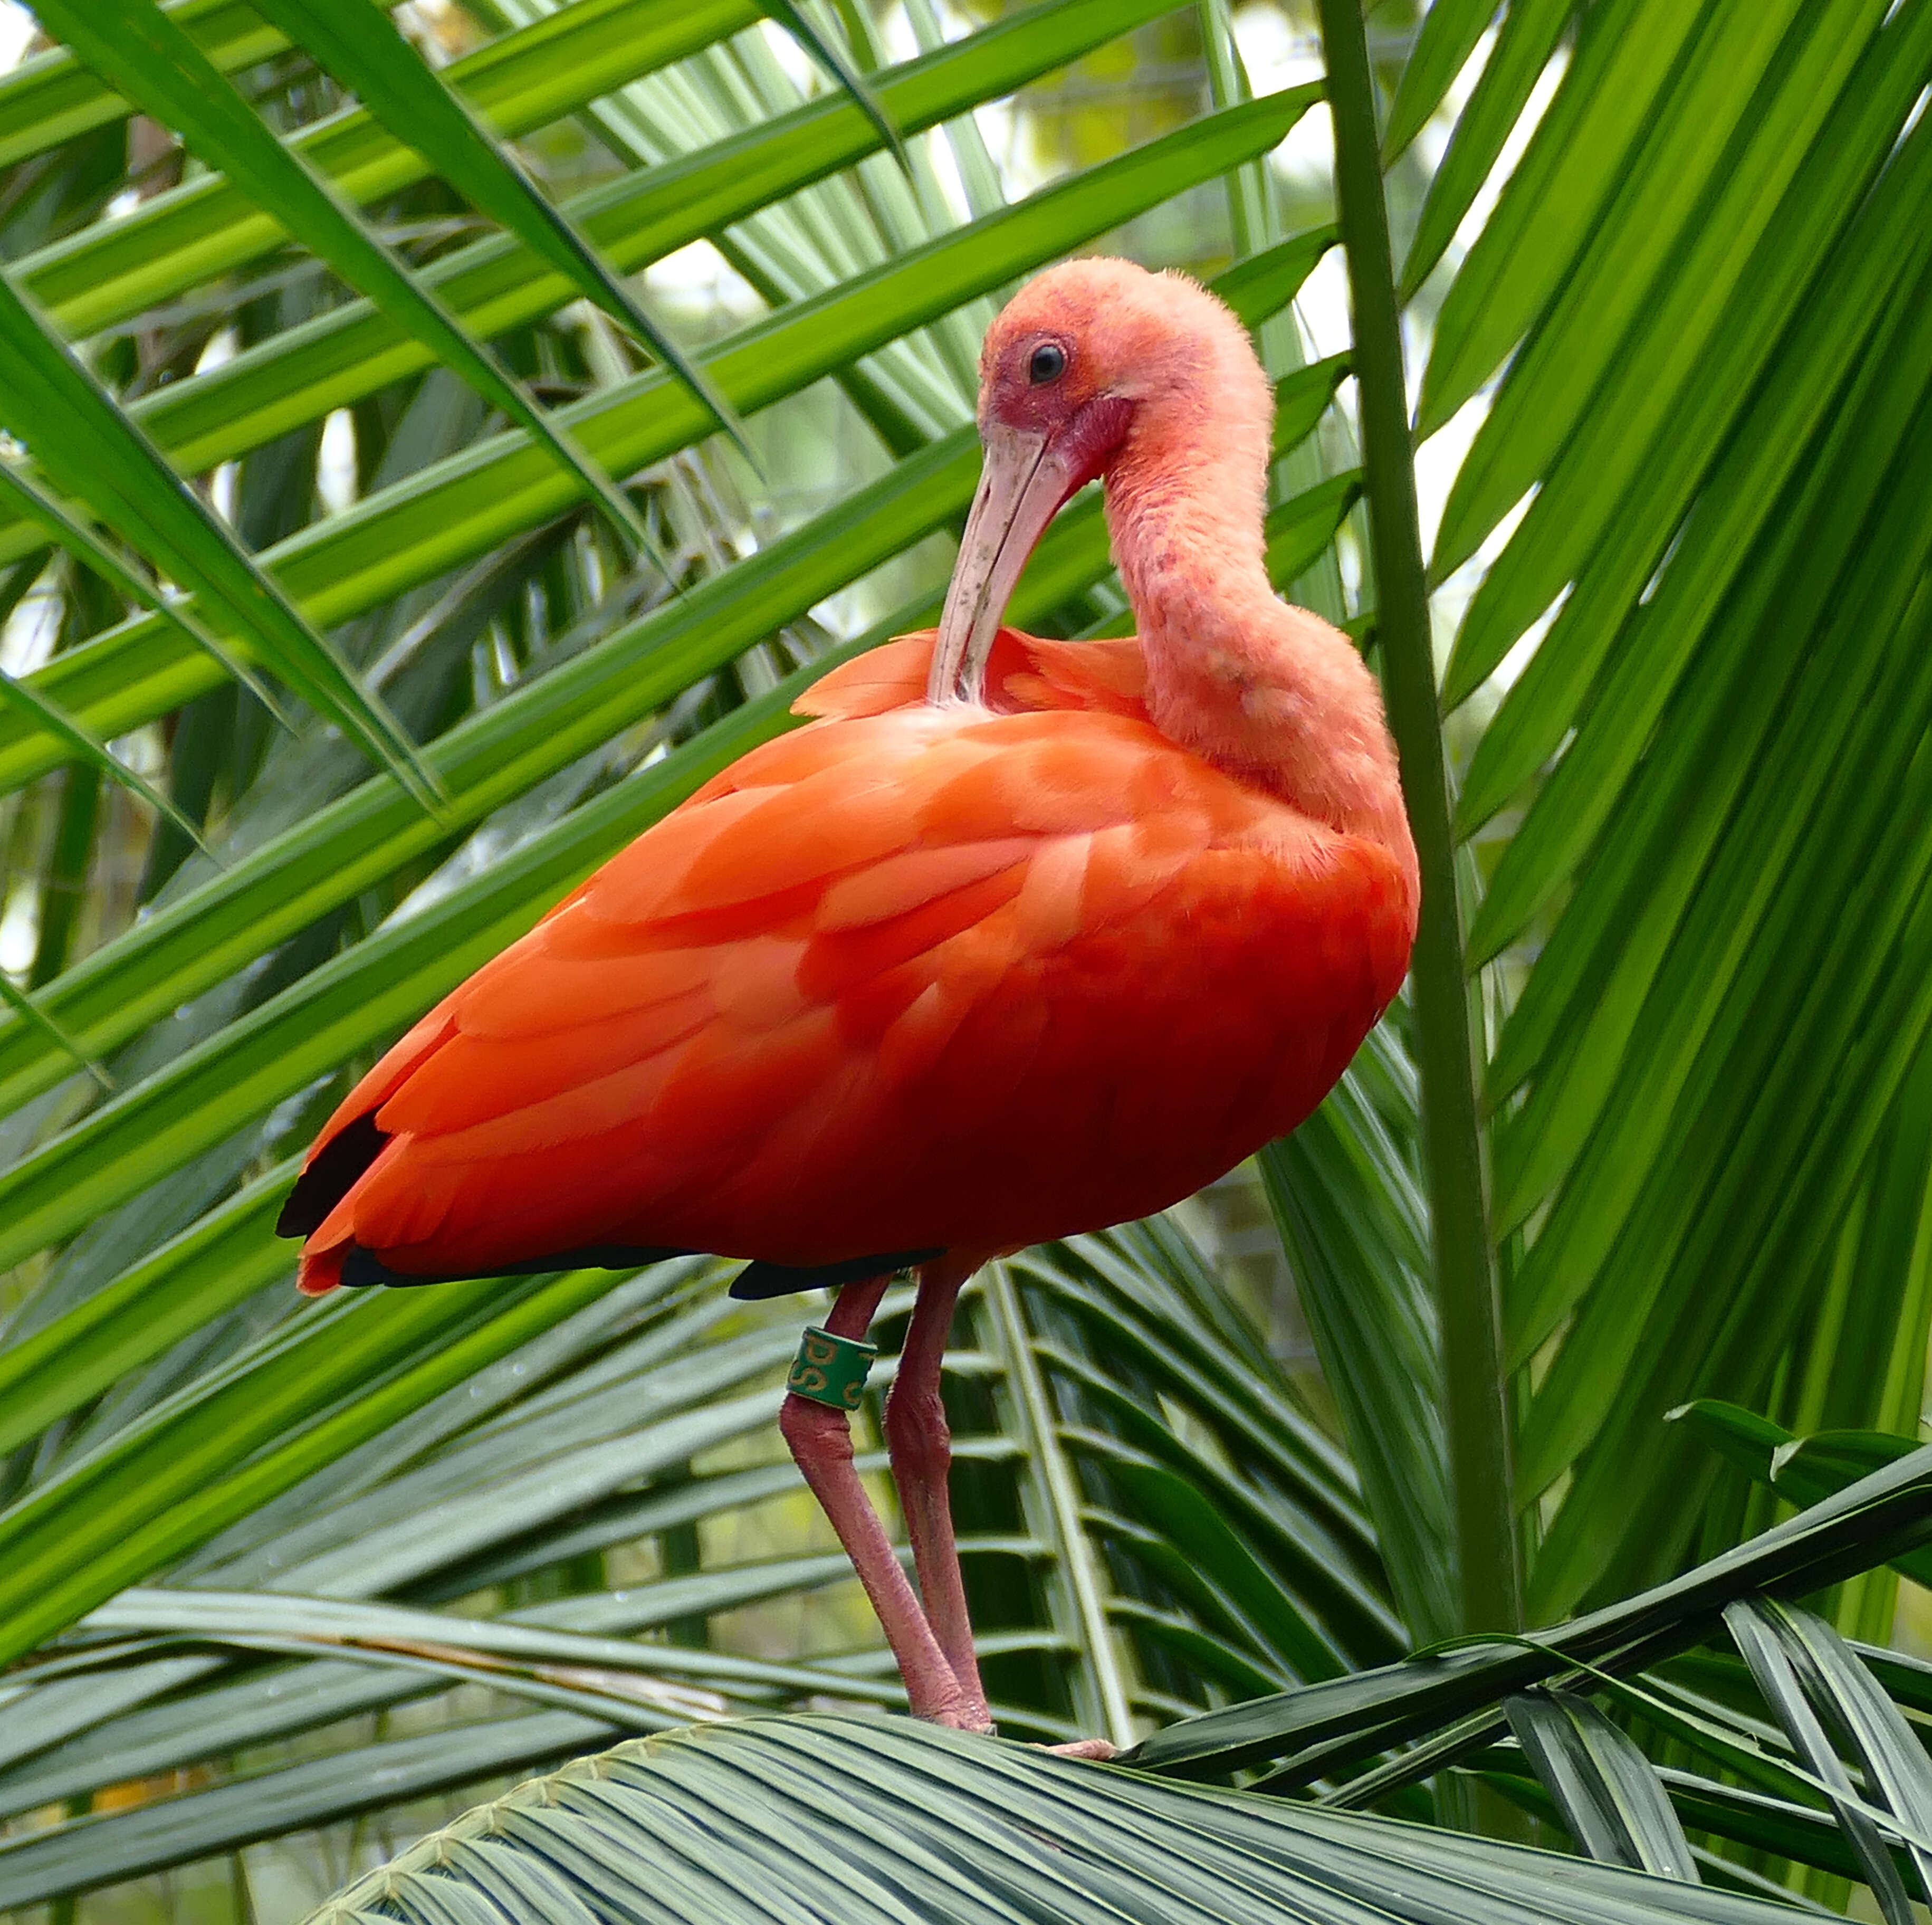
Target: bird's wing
[718, 981]
[883, 679]
[1023, 672]
[891, 676]
[877, 987]
[1108, 676]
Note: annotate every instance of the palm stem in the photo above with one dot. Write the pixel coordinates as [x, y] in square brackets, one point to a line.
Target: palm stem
[1476, 1413]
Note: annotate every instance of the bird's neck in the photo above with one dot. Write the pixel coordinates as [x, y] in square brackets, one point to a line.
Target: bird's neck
[1272, 693]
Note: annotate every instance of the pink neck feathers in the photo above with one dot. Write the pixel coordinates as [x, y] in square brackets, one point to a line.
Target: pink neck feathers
[1269, 693]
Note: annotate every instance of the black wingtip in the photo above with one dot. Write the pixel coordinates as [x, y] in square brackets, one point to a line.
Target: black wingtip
[333, 1172]
[759, 1280]
[363, 1270]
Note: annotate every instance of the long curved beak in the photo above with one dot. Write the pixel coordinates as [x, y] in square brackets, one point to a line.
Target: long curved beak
[1022, 487]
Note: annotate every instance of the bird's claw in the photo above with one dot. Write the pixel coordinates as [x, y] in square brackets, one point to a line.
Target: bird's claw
[1100, 1749]
[975, 1724]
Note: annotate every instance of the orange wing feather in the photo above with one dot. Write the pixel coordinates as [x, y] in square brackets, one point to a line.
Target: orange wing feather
[907, 978]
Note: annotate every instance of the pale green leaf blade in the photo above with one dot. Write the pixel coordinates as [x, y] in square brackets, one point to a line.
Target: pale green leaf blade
[1625, 61]
[31, 1013]
[1751, 1625]
[171, 1483]
[79, 539]
[223, 1259]
[1450, 31]
[1616, 403]
[1360, 1716]
[1894, 1760]
[90, 447]
[1609, 1796]
[1355, 1224]
[51, 98]
[1624, 665]
[837, 63]
[88, 747]
[1524, 42]
[372, 57]
[110, 273]
[947, 1828]
[134, 44]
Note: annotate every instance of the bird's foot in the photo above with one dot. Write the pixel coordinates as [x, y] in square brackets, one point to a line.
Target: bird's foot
[981, 1725]
[1098, 1749]
[966, 1719]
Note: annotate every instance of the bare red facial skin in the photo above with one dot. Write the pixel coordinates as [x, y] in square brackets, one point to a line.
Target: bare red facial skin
[1084, 428]
[1009, 395]
[1052, 419]
[1094, 434]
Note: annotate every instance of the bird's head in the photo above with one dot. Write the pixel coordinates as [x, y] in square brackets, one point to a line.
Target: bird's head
[1091, 364]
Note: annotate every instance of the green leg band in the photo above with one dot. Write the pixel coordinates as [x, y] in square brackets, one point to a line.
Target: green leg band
[831, 1370]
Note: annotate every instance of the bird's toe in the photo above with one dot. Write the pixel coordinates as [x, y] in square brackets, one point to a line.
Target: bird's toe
[1098, 1749]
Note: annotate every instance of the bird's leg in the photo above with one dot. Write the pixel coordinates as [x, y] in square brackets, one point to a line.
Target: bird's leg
[820, 1439]
[920, 1445]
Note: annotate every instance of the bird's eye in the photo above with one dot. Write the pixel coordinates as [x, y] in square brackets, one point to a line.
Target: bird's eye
[1048, 364]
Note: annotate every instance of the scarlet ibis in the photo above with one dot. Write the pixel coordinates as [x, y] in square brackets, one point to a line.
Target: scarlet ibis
[1016, 938]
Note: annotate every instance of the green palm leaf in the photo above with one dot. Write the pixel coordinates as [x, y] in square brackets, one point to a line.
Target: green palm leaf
[1215, 1474]
[135, 44]
[1044, 1837]
[378, 64]
[94, 452]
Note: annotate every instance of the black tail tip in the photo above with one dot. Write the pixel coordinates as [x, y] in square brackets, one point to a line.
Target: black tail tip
[759, 1279]
[333, 1172]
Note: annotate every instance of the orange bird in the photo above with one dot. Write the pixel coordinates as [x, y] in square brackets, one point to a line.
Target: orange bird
[1017, 939]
